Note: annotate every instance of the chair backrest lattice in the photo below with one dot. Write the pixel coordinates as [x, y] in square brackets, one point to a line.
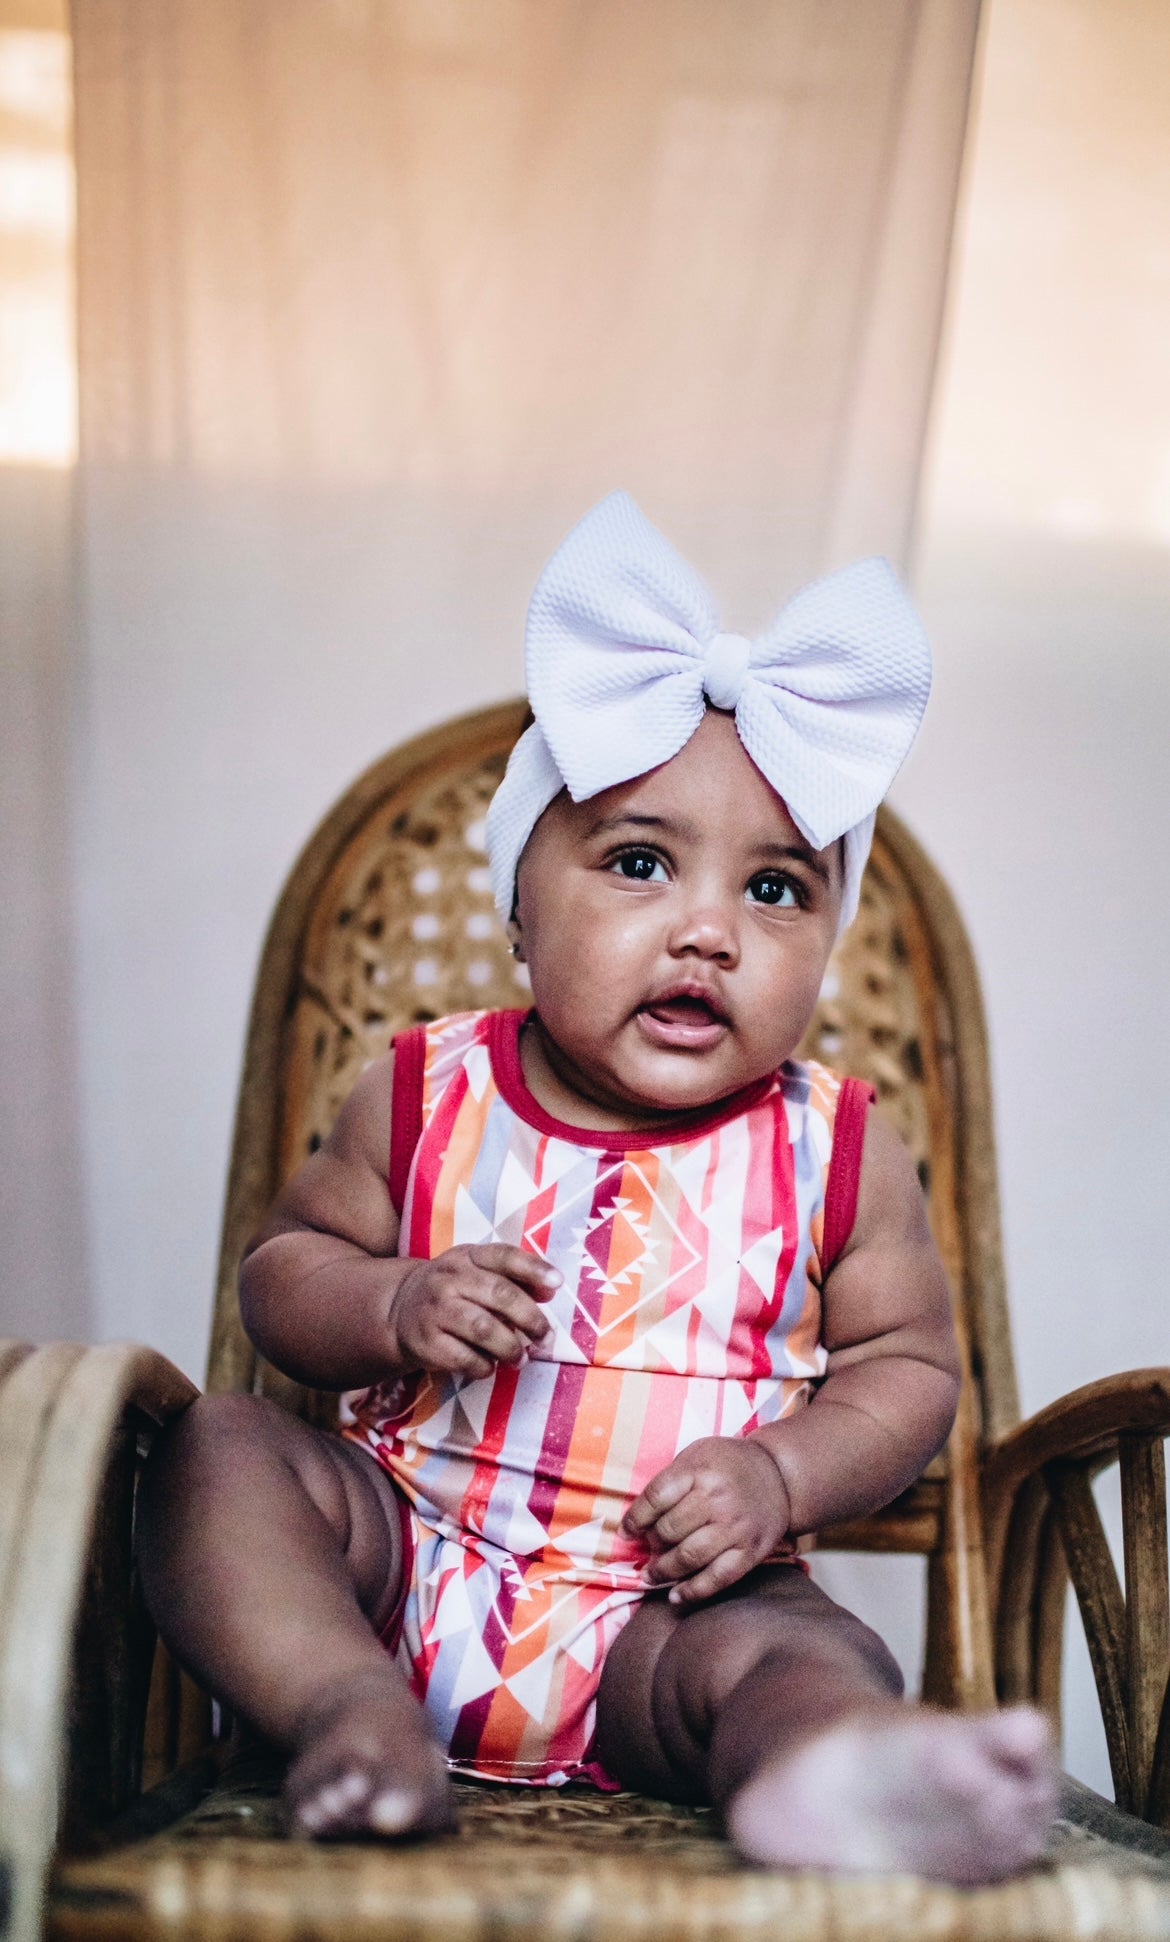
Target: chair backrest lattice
[388, 919]
[406, 932]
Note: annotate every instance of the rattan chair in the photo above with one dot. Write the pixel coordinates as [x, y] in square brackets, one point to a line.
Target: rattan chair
[122, 1816]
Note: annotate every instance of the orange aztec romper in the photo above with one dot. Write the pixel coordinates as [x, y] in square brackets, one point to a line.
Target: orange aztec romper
[690, 1307]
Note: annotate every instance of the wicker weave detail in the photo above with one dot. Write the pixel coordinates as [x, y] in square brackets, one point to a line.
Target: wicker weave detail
[870, 1018]
[530, 1865]
[406, 932]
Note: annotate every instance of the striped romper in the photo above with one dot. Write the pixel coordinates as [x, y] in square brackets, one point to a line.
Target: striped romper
[690, 1307]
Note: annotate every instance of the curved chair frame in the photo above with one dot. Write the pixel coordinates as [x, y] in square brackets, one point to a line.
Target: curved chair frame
[75, 1646]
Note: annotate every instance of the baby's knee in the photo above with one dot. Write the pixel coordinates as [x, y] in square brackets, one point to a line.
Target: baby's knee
[194, 1448]
[817, 1628]
[843, 1631]
[718, 1647]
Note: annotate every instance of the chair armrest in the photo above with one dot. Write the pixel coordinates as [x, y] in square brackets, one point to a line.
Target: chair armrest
[73, 1422]
[1042, 1526]
[1085, 1424]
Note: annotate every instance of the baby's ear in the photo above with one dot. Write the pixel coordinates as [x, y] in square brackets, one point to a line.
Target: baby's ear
[515, 940]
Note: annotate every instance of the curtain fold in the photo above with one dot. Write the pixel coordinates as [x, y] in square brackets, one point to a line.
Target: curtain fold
[376, 297]
[43, 1280]
[43, 1270]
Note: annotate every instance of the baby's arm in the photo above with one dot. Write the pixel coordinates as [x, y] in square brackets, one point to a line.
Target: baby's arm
[883, 1410]
[892, 1384]
[326, 1298]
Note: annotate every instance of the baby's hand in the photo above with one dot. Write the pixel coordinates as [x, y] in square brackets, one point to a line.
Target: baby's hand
[470, 1308]
[716, 1512]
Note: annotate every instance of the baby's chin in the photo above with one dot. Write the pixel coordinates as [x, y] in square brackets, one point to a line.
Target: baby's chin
[639, 1081]
[663, 1082]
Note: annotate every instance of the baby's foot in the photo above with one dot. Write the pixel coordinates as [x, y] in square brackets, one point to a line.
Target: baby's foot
[367, 1765]
[963, 1798]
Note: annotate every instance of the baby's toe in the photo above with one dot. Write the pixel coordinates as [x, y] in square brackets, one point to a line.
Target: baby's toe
[325, 1804]
[393, 1811]
[368, 1769]
[994, 1779]
[1020, 1733]
[414, 1799]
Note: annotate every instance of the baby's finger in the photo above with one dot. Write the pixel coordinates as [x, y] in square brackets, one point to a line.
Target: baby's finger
[727, 1569]
[451, 1356]
[662, 1493]
[689, 1514]
[509, 1302]
[694, 1554]
[516, 1264]
[482, 1331]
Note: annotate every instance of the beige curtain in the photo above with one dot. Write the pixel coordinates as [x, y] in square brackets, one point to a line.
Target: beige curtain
[42, 1252]
[43, 1278]
[377, 296]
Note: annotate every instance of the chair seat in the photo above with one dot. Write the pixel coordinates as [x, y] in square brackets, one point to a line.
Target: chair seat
[529, 1863]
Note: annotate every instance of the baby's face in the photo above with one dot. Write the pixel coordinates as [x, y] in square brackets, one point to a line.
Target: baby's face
[676, 929]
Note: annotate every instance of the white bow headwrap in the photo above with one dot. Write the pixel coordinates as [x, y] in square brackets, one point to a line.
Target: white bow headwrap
[624, 652]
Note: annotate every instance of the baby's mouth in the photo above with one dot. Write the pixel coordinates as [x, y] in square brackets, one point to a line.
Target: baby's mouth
[685, 1019]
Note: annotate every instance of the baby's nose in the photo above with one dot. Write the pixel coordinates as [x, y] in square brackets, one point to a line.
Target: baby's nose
[710, 930]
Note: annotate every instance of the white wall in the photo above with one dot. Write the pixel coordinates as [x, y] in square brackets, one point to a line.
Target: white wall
[1045, 576]
[1040, 781]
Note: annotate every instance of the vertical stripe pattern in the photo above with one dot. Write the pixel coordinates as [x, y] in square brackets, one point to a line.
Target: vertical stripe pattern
[690, 1307]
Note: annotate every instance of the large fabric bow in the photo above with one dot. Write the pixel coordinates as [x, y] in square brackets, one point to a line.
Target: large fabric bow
[624, 652]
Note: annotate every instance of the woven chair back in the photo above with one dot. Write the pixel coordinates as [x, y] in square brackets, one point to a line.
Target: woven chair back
[387, 919]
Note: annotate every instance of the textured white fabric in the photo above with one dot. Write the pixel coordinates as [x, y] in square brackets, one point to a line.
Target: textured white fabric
[725, 669]
[624, 652]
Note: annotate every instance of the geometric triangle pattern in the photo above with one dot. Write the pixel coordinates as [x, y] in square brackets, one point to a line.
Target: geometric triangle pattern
[689, 1307]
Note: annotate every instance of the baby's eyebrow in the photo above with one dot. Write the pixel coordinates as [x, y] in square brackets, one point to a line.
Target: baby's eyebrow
[671, 826]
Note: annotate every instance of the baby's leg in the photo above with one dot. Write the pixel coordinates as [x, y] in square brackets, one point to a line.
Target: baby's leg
[785, 1711]
[270, 1554]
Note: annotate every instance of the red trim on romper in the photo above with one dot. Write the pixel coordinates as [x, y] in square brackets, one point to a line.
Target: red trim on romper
[410, 1050]
[504, 1045]
[853, 1106]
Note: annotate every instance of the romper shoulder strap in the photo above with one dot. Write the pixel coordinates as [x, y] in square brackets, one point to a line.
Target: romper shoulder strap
[406, 1111]
[853, 1104]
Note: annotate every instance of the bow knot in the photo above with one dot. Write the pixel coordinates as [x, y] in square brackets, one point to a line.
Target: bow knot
[727, 665]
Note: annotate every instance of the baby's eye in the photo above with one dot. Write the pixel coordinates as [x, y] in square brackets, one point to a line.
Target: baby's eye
[640, 866]
[774, 888]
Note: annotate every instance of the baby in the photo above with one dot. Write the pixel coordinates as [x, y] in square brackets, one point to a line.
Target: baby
[637, 1301]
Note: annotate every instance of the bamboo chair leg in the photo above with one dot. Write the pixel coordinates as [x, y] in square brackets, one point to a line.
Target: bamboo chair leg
[1147, 1602]
[960, 1657]
[1128, 1633]
[1158, 1802]
[1030, 1612]
[1015, 1641]
[62, 1439]
[1057, 1454]
[1102, 1604]
[1051, 1582]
